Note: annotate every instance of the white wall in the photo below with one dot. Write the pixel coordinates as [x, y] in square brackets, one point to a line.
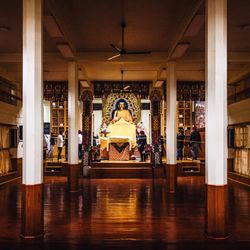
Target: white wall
[146, 120]
[46, 111]
[97, 117]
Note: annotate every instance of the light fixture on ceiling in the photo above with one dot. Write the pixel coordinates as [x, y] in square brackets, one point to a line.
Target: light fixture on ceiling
[180, 50]
[65, 50]
[195, 25]
[5, 28]
[158, 83]
[52, 27]
[84, 83]
[126, 87]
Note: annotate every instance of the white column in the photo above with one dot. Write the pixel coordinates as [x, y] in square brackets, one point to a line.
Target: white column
[73, 113]
[171, 114]
[216, 92]
[97, 121]
[32, 93]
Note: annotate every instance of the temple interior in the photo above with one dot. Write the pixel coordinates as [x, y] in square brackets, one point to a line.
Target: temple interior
[125, 124]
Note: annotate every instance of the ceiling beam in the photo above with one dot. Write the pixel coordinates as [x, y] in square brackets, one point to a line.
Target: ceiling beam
[239, 74]
[180, 33]
[232, 57]
[64, 44]
[11, 76]
[157, 76]
[17, 57]
[82, 75]
[239, 57]
[157, 57]
[55, 76]
[183, 26]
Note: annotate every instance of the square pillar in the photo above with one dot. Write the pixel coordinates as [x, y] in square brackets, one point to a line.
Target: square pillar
[32, 178]
[73, 168]
[216, 119]
[171, 128]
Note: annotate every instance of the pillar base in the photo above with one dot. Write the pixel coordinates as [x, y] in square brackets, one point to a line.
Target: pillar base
[217, 212]
[32, 211]
[73, 176]
[86, 171]
[171, 171]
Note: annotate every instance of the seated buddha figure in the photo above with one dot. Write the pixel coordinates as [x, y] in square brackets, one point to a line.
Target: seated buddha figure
[122, 112]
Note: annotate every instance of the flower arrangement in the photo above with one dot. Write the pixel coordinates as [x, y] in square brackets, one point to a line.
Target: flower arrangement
[104, 129]
[140, 127]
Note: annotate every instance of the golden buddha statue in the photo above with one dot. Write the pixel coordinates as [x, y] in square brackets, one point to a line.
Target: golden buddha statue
[121, 129]
[122, 113]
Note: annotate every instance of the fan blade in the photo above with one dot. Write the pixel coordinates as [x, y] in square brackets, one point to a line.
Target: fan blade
[137, 52]
[115, 48]
[113, 57]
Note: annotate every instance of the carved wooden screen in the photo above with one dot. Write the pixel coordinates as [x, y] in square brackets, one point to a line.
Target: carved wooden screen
[156, 99]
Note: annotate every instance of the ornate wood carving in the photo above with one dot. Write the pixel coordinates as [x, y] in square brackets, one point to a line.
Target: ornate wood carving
[86, 99]
[156, 156]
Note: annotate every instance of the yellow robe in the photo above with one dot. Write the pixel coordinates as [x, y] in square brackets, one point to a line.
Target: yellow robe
[125, 114]
[120, 131]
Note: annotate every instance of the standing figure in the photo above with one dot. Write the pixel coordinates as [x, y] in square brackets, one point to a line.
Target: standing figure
[66, 145]
[51, 148]
[139, 127]
[141, 143]
[79, 144]
[187, 152]
[45, 147]
[195, 140]
[60, 142]
[180, 144]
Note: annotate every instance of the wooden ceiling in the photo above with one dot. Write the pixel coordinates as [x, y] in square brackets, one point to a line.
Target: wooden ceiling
[90, 26]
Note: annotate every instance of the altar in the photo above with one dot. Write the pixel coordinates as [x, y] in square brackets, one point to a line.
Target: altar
[119, 141]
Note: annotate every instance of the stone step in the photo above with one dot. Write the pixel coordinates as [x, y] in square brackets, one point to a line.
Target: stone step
[122, 172]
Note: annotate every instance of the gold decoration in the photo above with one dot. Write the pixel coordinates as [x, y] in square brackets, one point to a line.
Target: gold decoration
[134, 105]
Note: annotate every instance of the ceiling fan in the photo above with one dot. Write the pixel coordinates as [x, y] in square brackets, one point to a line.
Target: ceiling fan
[121, 51]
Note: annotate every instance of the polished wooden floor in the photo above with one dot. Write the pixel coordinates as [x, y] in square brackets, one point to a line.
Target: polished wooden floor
[124, 214]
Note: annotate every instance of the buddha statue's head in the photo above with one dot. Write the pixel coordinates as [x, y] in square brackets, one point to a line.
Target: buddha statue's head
[122, 105]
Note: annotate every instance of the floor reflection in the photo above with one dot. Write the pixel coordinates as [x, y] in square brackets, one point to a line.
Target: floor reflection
[116, 210]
